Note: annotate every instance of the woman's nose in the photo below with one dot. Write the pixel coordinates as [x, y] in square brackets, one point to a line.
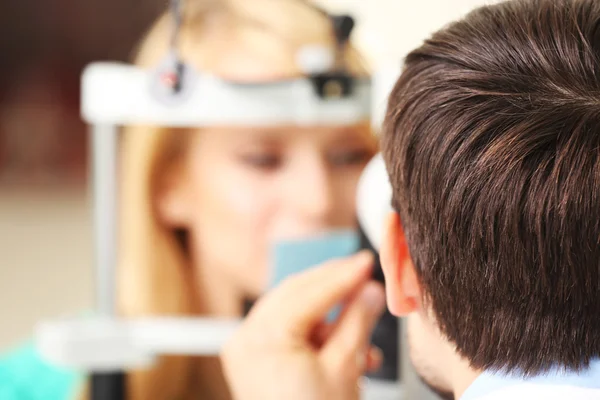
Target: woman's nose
[312, 192]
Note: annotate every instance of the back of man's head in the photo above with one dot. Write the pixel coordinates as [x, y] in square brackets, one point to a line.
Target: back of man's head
[492, 143]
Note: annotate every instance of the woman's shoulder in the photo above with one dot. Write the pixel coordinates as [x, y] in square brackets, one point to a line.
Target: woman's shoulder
[25, 376]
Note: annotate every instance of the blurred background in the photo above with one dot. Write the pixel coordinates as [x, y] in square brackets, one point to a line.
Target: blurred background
[45, 220]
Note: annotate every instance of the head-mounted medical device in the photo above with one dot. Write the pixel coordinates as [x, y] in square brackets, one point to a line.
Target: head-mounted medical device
[175, 94]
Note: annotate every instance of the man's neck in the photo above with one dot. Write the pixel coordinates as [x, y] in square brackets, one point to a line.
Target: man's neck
[462, 376]
[459, 374]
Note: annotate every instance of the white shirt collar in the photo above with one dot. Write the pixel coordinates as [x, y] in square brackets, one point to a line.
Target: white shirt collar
[489, 381]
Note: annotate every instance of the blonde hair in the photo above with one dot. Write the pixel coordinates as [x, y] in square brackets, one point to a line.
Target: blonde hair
[154, 275]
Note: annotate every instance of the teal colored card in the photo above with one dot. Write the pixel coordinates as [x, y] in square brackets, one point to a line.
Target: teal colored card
[294, 256]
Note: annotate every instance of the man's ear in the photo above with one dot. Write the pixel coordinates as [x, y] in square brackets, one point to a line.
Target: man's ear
[402, 285]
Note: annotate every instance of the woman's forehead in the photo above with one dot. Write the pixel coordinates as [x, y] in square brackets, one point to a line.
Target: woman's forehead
[248, 54]
[257, 40]
[292, 20]
[254, 57]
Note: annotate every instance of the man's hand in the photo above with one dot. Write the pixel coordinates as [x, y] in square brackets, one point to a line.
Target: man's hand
[286, 350]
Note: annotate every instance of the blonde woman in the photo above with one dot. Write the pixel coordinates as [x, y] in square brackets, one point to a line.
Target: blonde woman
[201, 207]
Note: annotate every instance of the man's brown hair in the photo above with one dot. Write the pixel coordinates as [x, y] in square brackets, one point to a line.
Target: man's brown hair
[492, 143]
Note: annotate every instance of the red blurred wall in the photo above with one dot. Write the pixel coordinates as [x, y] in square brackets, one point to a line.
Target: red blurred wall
[43, 47]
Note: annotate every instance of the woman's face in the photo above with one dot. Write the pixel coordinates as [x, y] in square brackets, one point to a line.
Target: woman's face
[242, 190]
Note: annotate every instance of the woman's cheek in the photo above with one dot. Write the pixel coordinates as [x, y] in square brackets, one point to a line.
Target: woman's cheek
[249, 208]
[247, 199]
[233, 223]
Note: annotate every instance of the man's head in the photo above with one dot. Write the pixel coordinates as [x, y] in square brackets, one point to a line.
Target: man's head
[492, 144]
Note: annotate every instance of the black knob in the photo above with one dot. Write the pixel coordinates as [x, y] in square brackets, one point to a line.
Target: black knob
[343, 26]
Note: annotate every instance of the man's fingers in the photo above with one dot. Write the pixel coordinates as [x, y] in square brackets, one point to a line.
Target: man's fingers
[304, 300]
[347, 347]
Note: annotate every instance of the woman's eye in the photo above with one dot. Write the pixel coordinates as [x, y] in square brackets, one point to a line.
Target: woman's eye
[262, 161]
[354, 157]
